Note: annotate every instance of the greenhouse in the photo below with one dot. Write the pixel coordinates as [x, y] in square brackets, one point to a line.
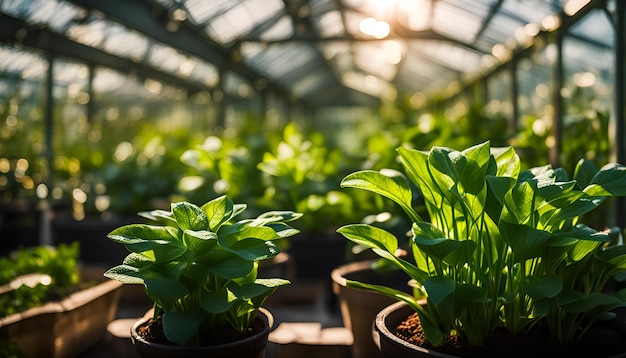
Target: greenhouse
[185, 158]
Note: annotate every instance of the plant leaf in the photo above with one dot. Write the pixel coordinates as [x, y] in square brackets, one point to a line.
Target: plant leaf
[525, 242]
[189, 216]
[543, 287]
[125, 274]
[219, 211]
[382, 243]
[389, 183]
[180, 327]
[609, 181]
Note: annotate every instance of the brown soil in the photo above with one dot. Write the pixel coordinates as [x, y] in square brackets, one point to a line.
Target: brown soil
[603, 340]
[152, 331]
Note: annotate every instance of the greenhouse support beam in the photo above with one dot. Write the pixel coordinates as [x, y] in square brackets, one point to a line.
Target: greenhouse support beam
[45, 40]
[557, 101]
[45, 236]
[513, 120]
[620, 101]
[138, 15]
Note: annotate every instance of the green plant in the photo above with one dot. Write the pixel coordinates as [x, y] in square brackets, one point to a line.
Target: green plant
[199, 267]
[302, 173]
[60, 263]
[503, 248]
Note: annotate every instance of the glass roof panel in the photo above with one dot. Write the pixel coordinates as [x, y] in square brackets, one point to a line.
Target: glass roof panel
[55, 14]
[457, 23]
[596, 27]
[202, 11]
[21, 64]
[329, 24]
[281, 29]
[231, 24]
[379, 58]
[123, 42]
[451, 56]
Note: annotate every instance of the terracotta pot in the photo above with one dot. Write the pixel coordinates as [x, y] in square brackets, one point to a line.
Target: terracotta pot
[68, 327]
[251, 347]
[359, 307]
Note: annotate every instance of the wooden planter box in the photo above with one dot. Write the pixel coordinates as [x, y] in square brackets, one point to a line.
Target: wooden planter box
[69, 327]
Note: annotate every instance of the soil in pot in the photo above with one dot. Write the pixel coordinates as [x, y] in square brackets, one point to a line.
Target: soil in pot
[223, 343]
[152, 331]
[606, 339]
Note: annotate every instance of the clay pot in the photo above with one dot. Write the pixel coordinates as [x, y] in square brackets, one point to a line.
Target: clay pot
[251, 347]
[360, 307]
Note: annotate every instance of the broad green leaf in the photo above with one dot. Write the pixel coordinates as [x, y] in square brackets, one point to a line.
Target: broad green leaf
[500, 186]
[198, 273]
[217, 301]
[508, 162]
[283, 230]
[615, 255]
[253, 249]
[584, 172]
[519, 204]
[279, 216]
[163, 290]
[218, 211]
[417, 169]
[388, 183]
[180, 327]
[159, 243]
[133, 233]
[382, 243]
[227, 265]
[609, 181]
[439, 288]
[125, 274]
[543, 287]
[470, 293]
[525, 242]
[259, 288]
[584, 232]
[159, 215]
[136, 260]
[590, 302]
[474, 170]
[230, 234]
[189, 216]
[370, 236]
[200, 241]
[434, 244]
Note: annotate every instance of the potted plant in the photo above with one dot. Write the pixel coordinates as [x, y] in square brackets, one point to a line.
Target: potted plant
[503, 254]
[50, 305]
[199, 267]
[300, 173]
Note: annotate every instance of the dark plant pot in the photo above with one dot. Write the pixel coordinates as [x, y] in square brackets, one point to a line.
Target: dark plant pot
[391, 346]
[597, 342]
[316, 255]
[19, 225]
[277, 266]
[360, 307]
[95, 247]
[69, 327]
[251, 347]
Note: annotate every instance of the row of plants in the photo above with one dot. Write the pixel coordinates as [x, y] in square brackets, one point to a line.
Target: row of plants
[141, 159]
